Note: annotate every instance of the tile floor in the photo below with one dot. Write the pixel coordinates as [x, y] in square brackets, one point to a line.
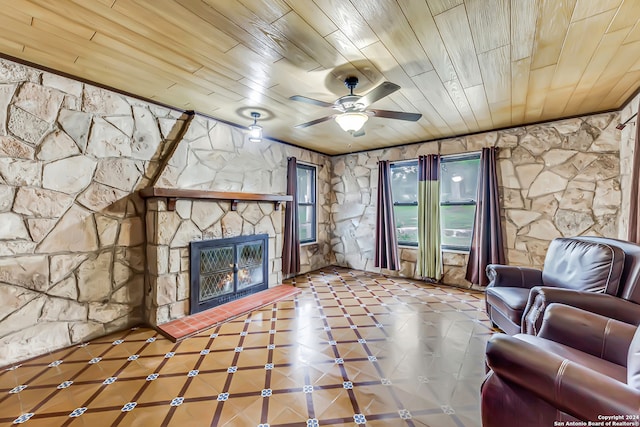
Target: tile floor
[353, 348]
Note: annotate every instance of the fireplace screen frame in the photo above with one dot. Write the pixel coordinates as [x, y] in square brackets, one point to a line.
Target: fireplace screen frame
[197, 247]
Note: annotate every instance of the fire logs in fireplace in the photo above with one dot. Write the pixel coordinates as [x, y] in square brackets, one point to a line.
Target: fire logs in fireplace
[224, 270]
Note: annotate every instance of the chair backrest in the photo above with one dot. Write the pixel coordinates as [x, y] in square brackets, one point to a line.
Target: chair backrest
[633, 362]
[629, 288]
[573, 263]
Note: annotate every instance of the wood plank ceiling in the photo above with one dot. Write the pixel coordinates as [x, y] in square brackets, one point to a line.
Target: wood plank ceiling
[467, 66]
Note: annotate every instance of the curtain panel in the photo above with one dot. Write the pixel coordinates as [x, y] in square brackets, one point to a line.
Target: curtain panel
[386, 255]
[429, 264]
[486, 244]
[291, 241]
[634, 201]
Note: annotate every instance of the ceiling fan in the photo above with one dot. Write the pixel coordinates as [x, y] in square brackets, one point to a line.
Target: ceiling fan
[352, 111]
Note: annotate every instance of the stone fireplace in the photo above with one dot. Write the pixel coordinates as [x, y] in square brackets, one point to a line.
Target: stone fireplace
[224, 270]
[175, 225]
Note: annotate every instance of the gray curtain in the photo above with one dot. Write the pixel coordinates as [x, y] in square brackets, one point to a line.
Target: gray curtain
[634, 201]
[291, 241]
[486, 245]
[429, 263]
[386, 241]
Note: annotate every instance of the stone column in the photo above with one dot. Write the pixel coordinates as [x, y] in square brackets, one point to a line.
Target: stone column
[167, 291]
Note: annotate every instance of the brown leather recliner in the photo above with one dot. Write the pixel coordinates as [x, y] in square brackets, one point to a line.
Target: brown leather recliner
[582, 366]
[570, 263]
[624, 305]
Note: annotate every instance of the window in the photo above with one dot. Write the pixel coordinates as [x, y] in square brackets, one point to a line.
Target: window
[404, 190]
[306, 203]
[458, 192]
[458, 186]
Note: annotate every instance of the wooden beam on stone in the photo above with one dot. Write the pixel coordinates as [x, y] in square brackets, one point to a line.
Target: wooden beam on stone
[187, 117]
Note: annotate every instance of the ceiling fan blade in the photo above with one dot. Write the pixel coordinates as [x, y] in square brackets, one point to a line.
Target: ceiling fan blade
[378, 92]
[411, 117]
[312, 101]
[358, 133]
[315, 122]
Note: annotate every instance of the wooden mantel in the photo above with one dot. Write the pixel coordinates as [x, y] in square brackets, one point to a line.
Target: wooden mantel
[172, 195]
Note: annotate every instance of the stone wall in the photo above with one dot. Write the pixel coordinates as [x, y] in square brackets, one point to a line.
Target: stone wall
[72, 260]
[627, 148]
[556, 179]
[72, 227]
[213, 156]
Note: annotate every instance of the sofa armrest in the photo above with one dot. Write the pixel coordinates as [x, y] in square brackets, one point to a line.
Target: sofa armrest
[513, 277]
[603, 304]
[568, 386]
[591, 333]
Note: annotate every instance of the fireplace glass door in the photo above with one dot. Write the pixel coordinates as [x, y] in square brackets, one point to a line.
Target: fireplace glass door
[216, 272]
[224, 270]
[250, 272]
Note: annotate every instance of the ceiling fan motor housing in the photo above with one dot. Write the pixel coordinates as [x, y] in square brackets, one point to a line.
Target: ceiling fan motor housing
[351, 82]
[349, 103]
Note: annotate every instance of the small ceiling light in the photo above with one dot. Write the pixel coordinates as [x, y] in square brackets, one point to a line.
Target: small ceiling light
[456, 178]
[351, 121]
[255, 130]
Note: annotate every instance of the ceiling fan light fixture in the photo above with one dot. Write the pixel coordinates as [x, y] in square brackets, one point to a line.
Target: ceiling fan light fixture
[351, 121]
[255, 130]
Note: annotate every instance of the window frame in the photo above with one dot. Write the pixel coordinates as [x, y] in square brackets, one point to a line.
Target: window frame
[443, 159]
[313, 203]
[399, 164]
[451, 159]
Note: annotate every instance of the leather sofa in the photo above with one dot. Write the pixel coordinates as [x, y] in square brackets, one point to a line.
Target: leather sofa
[581, 366]
[570, 263]
[623, 305]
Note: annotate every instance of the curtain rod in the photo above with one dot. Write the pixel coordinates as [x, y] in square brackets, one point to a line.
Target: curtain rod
[622, 125]
[305, 162]
[450, 156]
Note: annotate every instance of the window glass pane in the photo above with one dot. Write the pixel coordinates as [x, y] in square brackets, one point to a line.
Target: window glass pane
[306, 223]
[457, 225]
[459, 180]
[404, 182]
[305, 184]
[306, 203]
[406, 223]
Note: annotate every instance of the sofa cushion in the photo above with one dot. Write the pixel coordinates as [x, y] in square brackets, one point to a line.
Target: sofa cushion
[583, 265]
[509, 301]
[629, 288]
[597, 364]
